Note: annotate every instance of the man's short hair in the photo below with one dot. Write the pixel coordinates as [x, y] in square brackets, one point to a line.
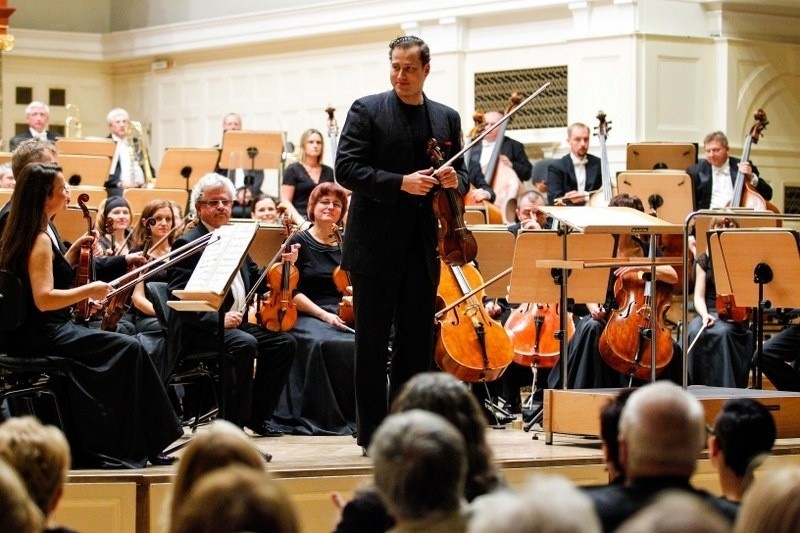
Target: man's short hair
[405, 42]
[716, 136]
[420, 464]
[114, 113]
[30, 108]
[744, 430]
[663, 427]
[575, 125]
[212, 180]
[31, 151]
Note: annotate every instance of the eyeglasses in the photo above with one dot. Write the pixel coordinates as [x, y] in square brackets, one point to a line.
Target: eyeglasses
[334, 203]
[214, 203]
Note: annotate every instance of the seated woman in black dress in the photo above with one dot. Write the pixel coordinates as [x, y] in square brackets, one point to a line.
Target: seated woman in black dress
[319, 398]
[721, 356]
[117, 412]
[586, 367]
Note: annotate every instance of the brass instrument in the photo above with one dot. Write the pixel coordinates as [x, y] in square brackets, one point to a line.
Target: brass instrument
[137, 142]
[72, 124]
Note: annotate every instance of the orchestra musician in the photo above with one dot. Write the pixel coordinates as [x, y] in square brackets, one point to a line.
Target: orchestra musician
[118, 413]
[390, 246]
[319, 396]
[587, 369]
[249, 398]
[127, 167]
[114, 214]
[7, 180]
[577, 173]
[300, 178]
[37, 114]
[264, 208]
[512, 153]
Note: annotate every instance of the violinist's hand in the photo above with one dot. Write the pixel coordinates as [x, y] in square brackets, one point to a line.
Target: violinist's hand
[598, 312]
[333, 320]
[232, 319]
[419, 183]
[447, 177]
[291, 255]
[135, 259]
[97, 290]
[708, 320]
[493, 309]
[479, 195]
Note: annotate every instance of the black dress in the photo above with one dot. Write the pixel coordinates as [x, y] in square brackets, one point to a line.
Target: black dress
[116, 410]
[721, 357]
[319, 398]
[295, 174]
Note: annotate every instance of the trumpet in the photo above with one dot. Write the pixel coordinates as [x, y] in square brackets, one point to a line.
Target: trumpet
[72, 124]
[139, 154]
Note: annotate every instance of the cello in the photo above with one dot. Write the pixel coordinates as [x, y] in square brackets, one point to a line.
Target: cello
[84, 273]
[744, 193]
[469, 344]
[457, 245]
[602, 197]
[626, 342]
[532, 328]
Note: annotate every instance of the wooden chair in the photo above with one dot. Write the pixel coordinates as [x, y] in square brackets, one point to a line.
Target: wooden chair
[71, 224]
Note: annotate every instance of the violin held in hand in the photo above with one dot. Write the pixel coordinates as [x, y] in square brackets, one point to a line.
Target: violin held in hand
[278, 311]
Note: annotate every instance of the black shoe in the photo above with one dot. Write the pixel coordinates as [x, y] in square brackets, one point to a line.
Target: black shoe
[531, 414]
[264, 429]
[162, 459]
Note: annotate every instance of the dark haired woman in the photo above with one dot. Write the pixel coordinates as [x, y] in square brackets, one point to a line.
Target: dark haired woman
[118, 414]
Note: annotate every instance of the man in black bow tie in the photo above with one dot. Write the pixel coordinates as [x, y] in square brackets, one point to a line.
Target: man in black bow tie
[577, 173]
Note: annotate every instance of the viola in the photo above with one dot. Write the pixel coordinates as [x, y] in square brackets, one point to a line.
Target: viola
[602, 197]
[470, 345]
[728, 311]
[85, 270]
[457, 245]
[341, 278]
[533, 329]
[278, 311]
[625, 344]
[744, 193]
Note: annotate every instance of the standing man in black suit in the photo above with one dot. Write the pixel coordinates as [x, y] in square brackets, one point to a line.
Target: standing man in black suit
[390, 243]
[38, 115]
[249, 398]
[512, 153]
[577, 173]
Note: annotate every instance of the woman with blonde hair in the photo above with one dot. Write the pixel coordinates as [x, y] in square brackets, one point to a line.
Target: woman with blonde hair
[300, 178]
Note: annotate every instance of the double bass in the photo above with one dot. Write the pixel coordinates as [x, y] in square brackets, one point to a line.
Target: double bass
[744, 193]
[470, 345]
[602, 197]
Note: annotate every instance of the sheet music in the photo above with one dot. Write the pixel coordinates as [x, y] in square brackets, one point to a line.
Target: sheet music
[221, 260]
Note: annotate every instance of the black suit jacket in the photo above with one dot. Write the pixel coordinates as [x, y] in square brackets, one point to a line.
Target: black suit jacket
[702, 179]
[561, 177]
[188, 323]
[375, 151]
[17, 139]
[513, 150]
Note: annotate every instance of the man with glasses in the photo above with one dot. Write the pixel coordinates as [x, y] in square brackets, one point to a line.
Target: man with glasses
[250, 398]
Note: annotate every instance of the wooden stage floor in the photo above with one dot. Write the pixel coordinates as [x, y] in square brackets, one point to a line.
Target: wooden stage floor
[312, 468]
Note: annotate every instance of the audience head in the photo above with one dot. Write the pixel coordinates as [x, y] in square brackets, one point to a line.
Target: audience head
[609, 432]
[420, 465]
[661, 431]
[675, 511]
[212, 198]
[222, 445]
[231, 122]
[32, 151]
[264, 208]
[744, 432]
[771, 503]
[118, 121]
[715, 145]
[37, 114]
[41, 456]
[311, 145]
[578, 139]
[17, 512]
[443, 394]
[327, 194]
[7, 180]
[234, 499]
[547, 504]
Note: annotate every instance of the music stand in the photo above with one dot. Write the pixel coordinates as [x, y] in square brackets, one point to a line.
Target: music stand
[703, 224]
[651, 155]
[97, 146]
[251, 151]
[181, 168]
[92, 170]
[495, 252]
[761, 268]
[269, 237]
[669, 193]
